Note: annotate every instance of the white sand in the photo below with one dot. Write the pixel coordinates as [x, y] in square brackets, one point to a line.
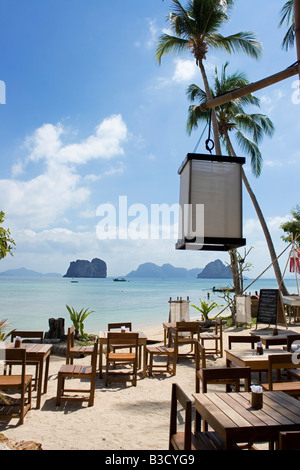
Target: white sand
[123, 417]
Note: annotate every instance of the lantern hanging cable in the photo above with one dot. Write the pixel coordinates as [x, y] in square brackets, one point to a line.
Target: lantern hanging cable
[209, 143]
[195, 149]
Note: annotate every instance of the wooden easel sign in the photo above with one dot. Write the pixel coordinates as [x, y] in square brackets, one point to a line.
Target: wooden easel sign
[270, 308]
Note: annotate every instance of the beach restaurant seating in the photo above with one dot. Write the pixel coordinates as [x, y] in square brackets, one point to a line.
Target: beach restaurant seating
[217, 337]
[159, 351]
[75, 351]
[186, 439]
[229, 376]
[11, 407]
[125, 340]
[28, 337]
[181, 335]
[282, 362]
[84, 373]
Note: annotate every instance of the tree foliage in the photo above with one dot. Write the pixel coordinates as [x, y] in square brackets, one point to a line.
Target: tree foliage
[292, 227]
[7, 244]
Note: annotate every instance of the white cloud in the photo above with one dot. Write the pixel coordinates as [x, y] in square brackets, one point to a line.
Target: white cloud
[185, 70]
[43, 200]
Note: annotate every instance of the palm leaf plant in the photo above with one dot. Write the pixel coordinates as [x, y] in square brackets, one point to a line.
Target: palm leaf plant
[205, 308]
[287, 16]
[195, 29]
[78, 318]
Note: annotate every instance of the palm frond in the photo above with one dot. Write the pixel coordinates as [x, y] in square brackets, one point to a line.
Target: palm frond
[239, 42]
[167, 44]
[251, 149]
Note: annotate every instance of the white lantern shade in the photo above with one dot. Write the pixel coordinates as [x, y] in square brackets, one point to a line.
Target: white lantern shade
[210, 203]
[243, 308]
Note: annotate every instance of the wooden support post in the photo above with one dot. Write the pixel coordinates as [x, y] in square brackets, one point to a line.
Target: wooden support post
[239, 92]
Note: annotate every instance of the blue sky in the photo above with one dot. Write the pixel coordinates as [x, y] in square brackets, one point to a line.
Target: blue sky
[90, 116]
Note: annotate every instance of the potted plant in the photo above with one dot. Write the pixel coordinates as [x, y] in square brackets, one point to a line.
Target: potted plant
[77, 319]
[205, 308]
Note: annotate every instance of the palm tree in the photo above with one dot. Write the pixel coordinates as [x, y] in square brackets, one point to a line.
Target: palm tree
[195, 30]
[287, 16]
[232, 118]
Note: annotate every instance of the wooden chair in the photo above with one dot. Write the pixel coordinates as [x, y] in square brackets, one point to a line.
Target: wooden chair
[243, 339]
[21, 383]
[126, 340]
[160, 351]
[279, 362]
[128, 327]
[75, 351]
[289, 440]
[290, 340]
[217, 337]
[184, 334]
[229, 376]
[84, 372]
[186, 439]
[28, 337]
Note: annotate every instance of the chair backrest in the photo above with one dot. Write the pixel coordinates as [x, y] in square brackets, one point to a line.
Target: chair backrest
[17, 356]
[127, 339]
[218, 326]
[117, 326]
[226, 376]
[243, 339]
[277, 362]
[188, 326]
[27, 335]
[289, 440]
[94, 357]
[179, 396]
[70, 337]
[200, 356]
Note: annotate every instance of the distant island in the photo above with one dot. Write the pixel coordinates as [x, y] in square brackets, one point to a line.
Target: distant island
[215, 270]
[152, 270]
[87, 269]
[23, 272]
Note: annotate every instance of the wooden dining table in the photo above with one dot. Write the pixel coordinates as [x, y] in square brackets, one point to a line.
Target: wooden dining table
[142, 341]
[232, 417]
[36, 352]
[249, 358]
[269, 339]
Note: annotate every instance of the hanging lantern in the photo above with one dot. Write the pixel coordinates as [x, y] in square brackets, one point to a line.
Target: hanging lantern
[210, 203]
[243, 308]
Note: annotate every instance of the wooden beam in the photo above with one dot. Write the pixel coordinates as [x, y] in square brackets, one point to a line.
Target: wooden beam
[239, 92]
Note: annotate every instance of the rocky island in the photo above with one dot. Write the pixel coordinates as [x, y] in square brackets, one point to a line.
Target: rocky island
[92, 269]
[215, 270]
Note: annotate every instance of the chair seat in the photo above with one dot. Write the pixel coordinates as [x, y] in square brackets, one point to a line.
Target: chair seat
[8, 382]
[121, 357]
[291, 388]
[81, 350]
[75, 370]
[206, 440]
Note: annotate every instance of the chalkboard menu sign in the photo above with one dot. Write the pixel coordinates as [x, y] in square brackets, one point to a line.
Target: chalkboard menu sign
[268, 305]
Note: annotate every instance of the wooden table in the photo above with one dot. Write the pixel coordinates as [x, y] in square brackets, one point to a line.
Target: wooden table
[235, 421]
[38, 353]
[268, 339]
[249, 358]
[103, 341]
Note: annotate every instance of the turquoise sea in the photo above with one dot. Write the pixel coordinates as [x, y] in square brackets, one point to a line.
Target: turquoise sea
[28, 303]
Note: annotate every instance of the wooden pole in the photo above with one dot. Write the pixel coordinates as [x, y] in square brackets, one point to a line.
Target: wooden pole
[297, 28]
[265, 82]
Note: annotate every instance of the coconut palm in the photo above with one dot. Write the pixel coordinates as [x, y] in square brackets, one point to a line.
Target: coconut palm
[287, 16]
[248, 129]
[196, 30]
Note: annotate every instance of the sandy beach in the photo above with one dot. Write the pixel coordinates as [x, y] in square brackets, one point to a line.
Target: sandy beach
[123, 417]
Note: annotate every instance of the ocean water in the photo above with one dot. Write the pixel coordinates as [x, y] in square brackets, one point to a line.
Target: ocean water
[28, 303]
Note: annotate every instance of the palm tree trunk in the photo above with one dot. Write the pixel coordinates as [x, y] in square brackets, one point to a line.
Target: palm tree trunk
[213, 112]
[263, 224]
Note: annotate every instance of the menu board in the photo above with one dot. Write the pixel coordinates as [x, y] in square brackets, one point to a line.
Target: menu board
[268, 306]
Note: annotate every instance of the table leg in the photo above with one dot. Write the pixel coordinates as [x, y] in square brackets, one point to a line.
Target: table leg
[40, 382]
[46, 374]
[144, 361]
[100, 360]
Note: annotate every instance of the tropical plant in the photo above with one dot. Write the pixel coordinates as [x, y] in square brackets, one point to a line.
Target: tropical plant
[233, 119]
[3, 326]
[7, 244]
[292, 228]
[205, 308]
[77, 319]
[287, 16]
[195, 30]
